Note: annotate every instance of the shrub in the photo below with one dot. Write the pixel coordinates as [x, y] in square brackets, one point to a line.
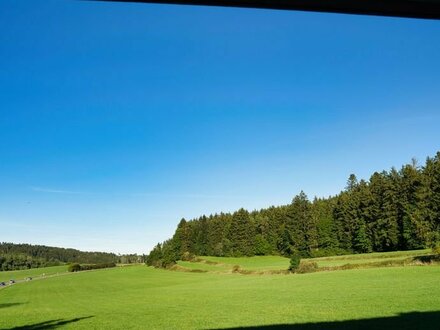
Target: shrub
[436, 249]
[295, 260]
[98, 266]
[307, 267]
[188, 256]
[77, 267]
[74, 268]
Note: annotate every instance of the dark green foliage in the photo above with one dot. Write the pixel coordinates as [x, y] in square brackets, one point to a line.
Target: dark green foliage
[302, 230]
[155, 257]
[410, 184]
[25, 256]
[164, 255]
[295, 260]
[362, 242]
[322, 212]
[169, 253]
[261, 246]
[98, 266]
[394, 210]
[74, 267]
[329, 252]
[241, 234]
[285, 242]
[77, 267]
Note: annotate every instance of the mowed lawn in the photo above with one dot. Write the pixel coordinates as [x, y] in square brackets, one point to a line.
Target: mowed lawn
[141, 297]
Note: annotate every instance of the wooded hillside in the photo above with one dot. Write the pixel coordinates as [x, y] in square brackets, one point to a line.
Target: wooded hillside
[25, 256]
[393, 210]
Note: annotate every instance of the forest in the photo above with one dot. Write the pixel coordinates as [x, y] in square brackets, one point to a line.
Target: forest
[392, 210]
[25, 256]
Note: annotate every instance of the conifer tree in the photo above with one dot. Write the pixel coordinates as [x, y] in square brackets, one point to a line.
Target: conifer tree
[300, 224]
[241, 234]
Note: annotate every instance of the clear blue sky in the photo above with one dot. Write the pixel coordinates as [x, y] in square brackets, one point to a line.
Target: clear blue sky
[117, 120]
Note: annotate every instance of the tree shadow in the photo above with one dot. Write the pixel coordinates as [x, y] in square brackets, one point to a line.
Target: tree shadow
[6, 305]
[404, 321]
[51, 324]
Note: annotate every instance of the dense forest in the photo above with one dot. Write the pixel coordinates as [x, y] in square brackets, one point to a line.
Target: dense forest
[25, 256]
[393, 210]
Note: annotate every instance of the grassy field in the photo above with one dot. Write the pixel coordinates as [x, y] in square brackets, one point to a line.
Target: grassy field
[34, 273]
[278, 263]
[225, 265]
[259, 263]
[141, 297]
[368, 257]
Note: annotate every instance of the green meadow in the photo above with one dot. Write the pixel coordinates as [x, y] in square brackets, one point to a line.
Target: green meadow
[35, 273]
[278, 263]
[141, 297]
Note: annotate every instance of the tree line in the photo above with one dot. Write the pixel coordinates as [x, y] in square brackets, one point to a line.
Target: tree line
[25, 256]
[392, 210]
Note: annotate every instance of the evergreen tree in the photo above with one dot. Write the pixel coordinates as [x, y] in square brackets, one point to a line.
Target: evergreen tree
[182, 238]
[300, 225]
[322, 212]
[426, 216]
[241, 234]
[285, 242]
[410, 184]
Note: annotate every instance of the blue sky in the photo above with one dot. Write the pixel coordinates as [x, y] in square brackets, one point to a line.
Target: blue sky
[117, 120]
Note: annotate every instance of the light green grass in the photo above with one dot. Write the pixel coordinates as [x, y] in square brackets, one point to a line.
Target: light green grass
[34, 272]
[258, 263]
[140, 297]
[278, 263]
[205, 267]
[368, 257]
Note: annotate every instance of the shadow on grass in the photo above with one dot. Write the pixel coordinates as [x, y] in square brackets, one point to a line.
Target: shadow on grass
[428, 258]
[405, 321]
[51, 324]
[6, 305]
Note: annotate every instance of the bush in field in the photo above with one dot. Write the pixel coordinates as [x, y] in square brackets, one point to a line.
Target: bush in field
[97, 266]
[295, 260]
[77, 267]
[307, 267]
[187, 256]
[74, 267]
[436, 249]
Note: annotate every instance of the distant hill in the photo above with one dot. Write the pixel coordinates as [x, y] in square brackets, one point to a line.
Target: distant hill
[25, 256]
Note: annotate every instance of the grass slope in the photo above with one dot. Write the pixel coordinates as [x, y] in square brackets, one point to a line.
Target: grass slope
[140, 297]
[368, 257]
[258, 263]
[275, 263]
